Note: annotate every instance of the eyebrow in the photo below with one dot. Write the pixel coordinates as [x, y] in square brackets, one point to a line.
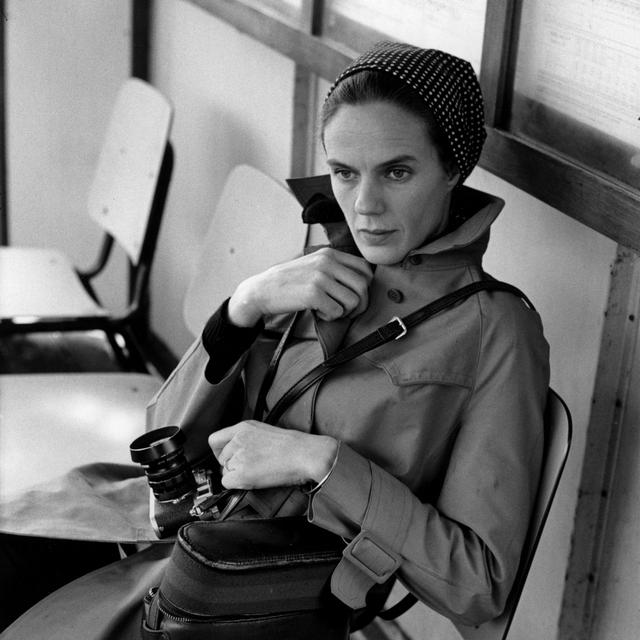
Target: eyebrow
[403, 158]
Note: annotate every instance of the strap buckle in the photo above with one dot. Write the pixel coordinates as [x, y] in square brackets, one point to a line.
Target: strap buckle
[371, 558]
[403, 326]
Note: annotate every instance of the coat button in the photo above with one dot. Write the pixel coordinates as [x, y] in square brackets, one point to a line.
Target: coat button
[415, 259]
[395, 295]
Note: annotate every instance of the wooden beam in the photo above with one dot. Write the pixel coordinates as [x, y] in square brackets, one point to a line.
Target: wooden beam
[601, 452]
[498, 56]
[140, 38]
[605, 205]
[303, 128]
[4, 215]
[305, 98]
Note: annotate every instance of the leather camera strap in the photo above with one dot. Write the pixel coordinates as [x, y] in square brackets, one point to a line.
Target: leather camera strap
[395, 329]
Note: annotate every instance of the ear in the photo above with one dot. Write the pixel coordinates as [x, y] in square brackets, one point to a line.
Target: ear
[453, 177]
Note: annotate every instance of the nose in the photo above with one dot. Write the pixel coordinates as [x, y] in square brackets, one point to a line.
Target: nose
[369, 199]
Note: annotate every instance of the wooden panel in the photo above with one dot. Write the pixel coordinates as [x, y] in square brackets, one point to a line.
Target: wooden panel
[304, 100]
[4, 227]
[496, 71]
[602, 447]
[601, 203]
[615, 608]
[140, 38]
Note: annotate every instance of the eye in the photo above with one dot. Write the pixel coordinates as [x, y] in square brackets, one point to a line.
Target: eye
[398, 173]
[343, 174]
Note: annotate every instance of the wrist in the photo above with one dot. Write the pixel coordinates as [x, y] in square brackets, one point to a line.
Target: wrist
[323, 460]
[242, 310]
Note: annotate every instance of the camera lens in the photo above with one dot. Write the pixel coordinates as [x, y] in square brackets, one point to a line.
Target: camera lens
[161, 454]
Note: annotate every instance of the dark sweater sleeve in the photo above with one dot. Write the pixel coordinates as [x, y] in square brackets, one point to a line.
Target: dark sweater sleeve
[225, 342]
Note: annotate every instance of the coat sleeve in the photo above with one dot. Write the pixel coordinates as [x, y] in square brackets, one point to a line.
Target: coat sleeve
[189, 401]
[460, 554]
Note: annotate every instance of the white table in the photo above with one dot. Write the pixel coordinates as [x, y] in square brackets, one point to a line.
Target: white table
[50, 423]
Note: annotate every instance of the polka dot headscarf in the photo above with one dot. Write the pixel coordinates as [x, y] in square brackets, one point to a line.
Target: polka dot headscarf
[448, 86]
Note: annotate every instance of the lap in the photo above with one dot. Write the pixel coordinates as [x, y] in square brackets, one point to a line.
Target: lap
[103, 605]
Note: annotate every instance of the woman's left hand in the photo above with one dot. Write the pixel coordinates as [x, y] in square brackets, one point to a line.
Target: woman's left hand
[255, 455]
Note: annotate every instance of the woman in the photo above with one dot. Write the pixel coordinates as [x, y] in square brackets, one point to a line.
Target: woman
[430, 445]
[423, 453]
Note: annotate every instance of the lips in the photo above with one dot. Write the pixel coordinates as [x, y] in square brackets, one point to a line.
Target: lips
[375, 236]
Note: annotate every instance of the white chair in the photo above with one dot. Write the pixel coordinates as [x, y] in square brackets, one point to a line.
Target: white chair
[51, 423]
[41, 290]
[557, 431]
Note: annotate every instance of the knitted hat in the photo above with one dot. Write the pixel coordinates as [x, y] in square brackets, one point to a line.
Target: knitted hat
[448, 86]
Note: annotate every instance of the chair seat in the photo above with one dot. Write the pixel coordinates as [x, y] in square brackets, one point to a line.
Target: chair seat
[41, 283]
[50, 423]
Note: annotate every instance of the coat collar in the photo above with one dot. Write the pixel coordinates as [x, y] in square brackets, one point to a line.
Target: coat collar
[478, 209]
[466, 242]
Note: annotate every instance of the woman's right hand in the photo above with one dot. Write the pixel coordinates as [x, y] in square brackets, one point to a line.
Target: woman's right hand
[332, 283]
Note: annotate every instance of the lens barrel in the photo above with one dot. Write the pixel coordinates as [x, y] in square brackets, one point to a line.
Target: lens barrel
[161, 454]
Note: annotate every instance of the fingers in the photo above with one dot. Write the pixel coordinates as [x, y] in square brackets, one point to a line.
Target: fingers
[352, 264]
[339, 285]
[219, 440]
[333, 283]
[225, 443]
[330, 298]
[253, 455]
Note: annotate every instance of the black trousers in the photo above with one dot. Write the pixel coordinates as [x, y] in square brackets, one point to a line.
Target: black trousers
[31, 568]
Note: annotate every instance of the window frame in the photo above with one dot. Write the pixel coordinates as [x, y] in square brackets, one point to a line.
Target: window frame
[604, 204]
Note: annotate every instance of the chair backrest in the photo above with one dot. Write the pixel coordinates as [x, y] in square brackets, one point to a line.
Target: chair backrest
[256, 224]
[127, 176]
[557, 435]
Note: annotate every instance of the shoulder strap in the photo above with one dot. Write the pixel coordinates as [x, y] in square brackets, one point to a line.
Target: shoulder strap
[395, 329]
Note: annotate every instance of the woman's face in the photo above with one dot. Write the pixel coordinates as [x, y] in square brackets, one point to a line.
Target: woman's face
[387, 179]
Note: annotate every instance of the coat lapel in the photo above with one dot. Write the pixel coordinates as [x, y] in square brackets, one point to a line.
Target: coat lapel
[331, 334]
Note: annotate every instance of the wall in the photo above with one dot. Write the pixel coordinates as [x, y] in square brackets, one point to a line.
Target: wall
[233, 104]
[65, 61]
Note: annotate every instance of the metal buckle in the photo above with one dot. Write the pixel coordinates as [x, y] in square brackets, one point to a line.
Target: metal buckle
[206, 508]
[402, 324]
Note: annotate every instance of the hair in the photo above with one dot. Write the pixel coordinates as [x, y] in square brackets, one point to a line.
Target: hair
[369, 86]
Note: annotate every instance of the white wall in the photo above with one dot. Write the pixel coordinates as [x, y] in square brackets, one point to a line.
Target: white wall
[65, 61]
[233, 102]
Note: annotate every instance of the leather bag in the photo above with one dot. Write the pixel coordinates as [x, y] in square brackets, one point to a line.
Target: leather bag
[250, 579]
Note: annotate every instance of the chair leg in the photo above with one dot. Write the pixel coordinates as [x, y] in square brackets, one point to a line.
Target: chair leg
[135, 351]
[129, 356]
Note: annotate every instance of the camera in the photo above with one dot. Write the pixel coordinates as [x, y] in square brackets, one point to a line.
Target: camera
[179, 492]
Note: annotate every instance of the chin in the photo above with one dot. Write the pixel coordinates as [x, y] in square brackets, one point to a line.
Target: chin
[382, 255]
